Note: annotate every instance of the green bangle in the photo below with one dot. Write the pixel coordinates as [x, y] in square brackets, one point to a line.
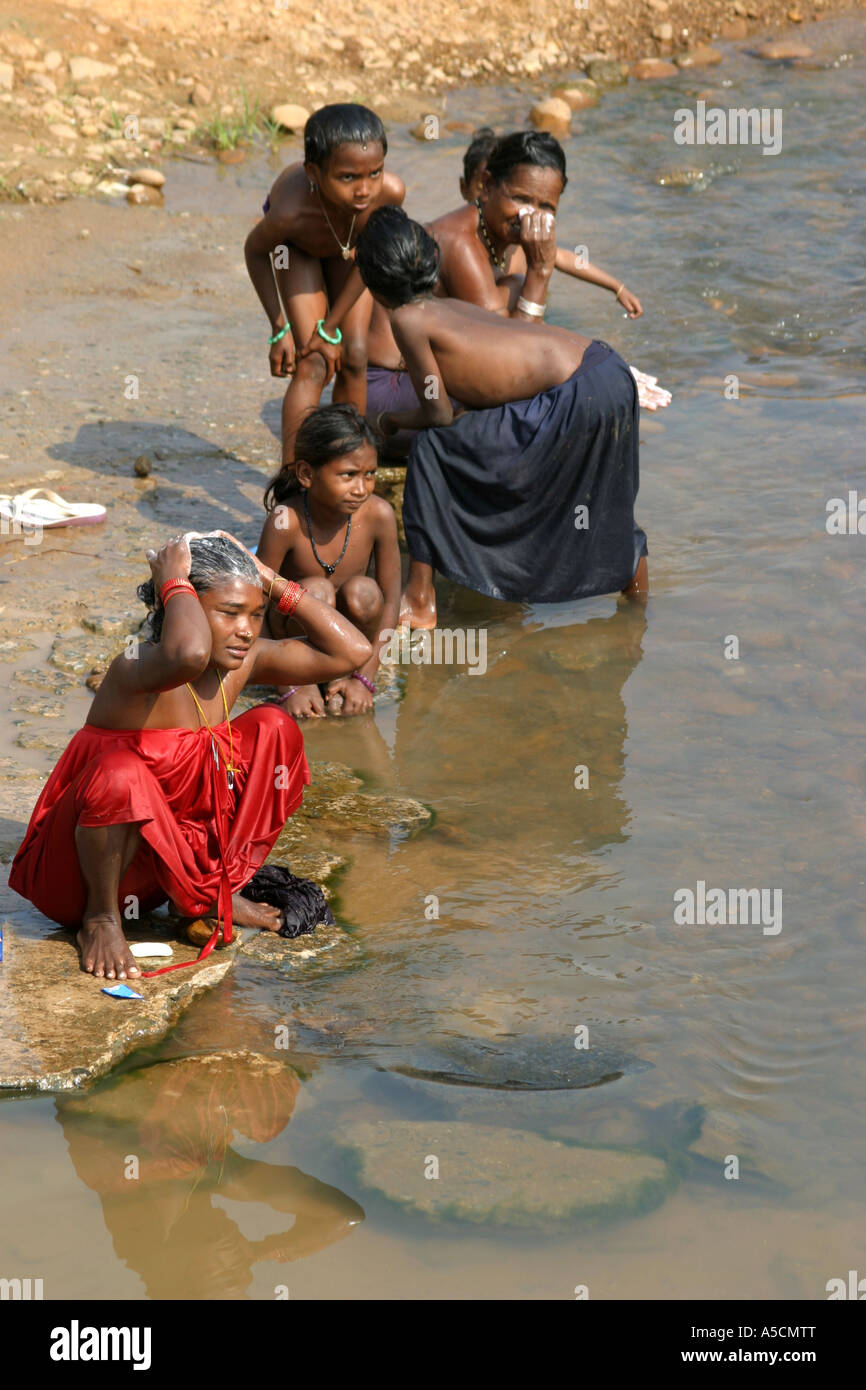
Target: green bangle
[277, 337]
[327, 337]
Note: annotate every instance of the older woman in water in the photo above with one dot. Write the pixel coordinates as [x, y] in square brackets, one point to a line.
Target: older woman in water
[160, 795]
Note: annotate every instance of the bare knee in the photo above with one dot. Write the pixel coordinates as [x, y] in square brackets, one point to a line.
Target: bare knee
[354, 357]
[322, 589]
[361, 599]
[311, 370]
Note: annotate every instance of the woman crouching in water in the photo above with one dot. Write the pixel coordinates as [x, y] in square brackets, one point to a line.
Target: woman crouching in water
[160, 796]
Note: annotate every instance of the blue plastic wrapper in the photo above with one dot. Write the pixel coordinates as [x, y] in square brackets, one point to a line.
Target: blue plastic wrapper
[122, 992]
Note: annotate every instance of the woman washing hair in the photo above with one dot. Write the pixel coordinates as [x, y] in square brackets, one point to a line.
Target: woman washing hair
[160, 795]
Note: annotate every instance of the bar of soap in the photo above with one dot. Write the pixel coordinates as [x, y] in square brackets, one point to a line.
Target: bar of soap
[147, 950]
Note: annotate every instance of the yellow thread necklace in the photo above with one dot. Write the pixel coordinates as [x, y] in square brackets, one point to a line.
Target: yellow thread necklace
[230, 765]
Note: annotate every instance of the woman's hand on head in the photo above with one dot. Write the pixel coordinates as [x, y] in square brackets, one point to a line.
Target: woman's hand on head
[172, 561]
[265, 572]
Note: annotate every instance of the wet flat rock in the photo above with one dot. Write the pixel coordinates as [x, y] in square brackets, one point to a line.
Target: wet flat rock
[502, 1176]
[58, 1031]
[519, 1063]
[336, 799]
[332, 945]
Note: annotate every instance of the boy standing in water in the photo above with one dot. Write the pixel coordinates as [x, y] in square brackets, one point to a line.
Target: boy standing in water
[324, 527]
[312, 219]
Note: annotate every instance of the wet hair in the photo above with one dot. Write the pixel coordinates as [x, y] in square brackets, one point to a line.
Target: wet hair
[214, 560]
[397, 258]
[344, 123]
[478, 152]
[328, 432]
[526, 147]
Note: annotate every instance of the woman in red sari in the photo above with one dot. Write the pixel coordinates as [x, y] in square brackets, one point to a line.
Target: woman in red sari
[160, 796]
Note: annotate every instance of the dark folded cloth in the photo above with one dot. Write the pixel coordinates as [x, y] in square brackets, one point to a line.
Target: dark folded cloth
[495, 500]
[302, 902]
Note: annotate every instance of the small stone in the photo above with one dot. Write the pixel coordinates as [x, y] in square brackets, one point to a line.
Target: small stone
[94, 680]
[553, 115]
[53, 60]
[88, 69]
[84, 233]
[795, 17]
[200, 95]
[63, 132]
[579, 95]
[142, 466]
[18, 46]
[154, 178]
[44, 83]
[81, 178]
[7, 77]
[152, 125]
[140, 193]
[649, 68]
[734, 29]
[703, 56]
[290, 116]
[779, 50]
[607, 72]
[236, 156]
[664, 32]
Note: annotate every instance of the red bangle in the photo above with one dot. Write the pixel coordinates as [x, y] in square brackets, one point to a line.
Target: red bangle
[356, 676]
[170, 587]
[290, 597]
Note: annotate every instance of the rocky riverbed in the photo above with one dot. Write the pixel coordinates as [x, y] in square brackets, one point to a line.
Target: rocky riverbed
[91, 92]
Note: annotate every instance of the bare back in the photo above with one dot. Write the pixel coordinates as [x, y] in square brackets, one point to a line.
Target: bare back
[482, 358]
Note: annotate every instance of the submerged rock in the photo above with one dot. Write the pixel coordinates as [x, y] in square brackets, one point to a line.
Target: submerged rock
[329, 944]
[333, 799]
[519, 1063]
[58, 1031]
[502, 1176]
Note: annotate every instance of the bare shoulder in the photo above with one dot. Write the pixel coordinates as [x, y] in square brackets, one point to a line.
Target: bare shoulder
[456, 224]
[381, 513]
[393, 189]
[286, 197]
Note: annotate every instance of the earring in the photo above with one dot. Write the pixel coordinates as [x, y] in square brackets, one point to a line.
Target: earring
[312, 186]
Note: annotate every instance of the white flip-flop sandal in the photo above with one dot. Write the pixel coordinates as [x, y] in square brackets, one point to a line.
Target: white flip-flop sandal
[40, 507]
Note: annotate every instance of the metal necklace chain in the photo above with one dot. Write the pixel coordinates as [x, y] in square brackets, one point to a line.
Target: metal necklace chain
[329, 569]
[485, 237]
[347, 249]
[230, 764]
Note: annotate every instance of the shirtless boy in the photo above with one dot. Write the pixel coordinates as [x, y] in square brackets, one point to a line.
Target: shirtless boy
[324, 527]
[312, 219]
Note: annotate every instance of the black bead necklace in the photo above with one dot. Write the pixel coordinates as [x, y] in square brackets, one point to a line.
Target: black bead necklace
[329, 569]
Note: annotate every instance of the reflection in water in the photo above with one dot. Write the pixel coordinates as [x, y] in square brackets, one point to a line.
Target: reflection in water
[174, 1124]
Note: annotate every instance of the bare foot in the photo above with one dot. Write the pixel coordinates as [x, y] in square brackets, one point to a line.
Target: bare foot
[261, 915]
[418, 612]
[104, 952]
[639, 586]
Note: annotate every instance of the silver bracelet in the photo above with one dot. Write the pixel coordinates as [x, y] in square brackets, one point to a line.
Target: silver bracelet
[528, 306]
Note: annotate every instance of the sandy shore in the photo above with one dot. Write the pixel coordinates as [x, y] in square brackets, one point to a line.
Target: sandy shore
[200, 77]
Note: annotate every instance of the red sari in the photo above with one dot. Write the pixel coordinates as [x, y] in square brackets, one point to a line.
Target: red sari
[201, 841]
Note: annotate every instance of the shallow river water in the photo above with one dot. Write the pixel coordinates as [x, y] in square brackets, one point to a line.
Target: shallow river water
[556, 900]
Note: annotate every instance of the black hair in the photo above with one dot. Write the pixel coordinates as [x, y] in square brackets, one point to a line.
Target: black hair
[397, 258]
[344, 123]
[328, 432]
[214, 559]
[536, 147]
[478, 151]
